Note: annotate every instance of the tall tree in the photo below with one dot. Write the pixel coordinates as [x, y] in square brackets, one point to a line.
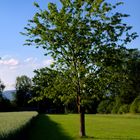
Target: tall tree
[4, 103]
[74, 35]
[2, 86]
[132, 89]
[23, 90]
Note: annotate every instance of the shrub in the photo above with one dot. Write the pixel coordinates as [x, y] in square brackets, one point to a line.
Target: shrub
[135, 106]
[116, 106]
[105, 107]
[124, 109]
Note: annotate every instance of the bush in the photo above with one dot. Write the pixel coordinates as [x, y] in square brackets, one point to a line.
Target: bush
[116, 106]
[5, 105]
[135, 106]
[124, 109]
[105, 107]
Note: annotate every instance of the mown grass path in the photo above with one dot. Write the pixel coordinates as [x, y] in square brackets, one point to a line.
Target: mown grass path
[99, 127]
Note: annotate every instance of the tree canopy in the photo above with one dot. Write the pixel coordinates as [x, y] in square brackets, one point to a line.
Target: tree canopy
[2, 86]
[23, 90]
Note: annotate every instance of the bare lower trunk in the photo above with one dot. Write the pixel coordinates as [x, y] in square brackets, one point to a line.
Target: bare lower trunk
[82, 122]
[81, 111]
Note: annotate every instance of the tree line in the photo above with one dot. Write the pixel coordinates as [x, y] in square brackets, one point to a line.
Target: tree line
[50, 91]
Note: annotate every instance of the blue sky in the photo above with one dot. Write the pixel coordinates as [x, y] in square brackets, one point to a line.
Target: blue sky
[22, 60]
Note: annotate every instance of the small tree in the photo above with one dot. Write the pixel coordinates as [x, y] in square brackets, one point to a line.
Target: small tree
[81, 36]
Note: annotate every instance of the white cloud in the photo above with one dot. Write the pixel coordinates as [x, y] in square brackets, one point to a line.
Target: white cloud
[9, 62]
[30, 59]
[9, 86]
[11, 67]
[7, 56]
[48, 62]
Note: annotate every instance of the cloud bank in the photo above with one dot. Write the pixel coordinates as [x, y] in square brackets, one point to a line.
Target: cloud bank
[11, 67]
[9, 62]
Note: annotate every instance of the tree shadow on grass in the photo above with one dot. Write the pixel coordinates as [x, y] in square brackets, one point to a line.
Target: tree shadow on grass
[115, 138]
[45, 129]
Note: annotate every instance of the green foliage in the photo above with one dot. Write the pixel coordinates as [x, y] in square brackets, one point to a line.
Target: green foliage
[124, 109]
[85, 39]
[116, 106]
[23, 83]
[135, 106]
[131, 87]
[52, 85]
[2, 86]
[23, 91]
[5, 104]
[105, 107]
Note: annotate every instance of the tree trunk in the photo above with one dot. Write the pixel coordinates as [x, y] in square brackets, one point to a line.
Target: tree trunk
[82, 122]
[81, 111]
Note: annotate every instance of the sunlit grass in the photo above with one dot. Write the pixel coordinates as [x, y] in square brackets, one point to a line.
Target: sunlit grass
[66, 127]
[101, 127]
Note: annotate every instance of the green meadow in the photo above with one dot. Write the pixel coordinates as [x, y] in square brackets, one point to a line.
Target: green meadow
[100, 127]
[15, 126]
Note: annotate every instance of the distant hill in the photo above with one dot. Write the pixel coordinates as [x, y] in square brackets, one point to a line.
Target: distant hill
[9, 94]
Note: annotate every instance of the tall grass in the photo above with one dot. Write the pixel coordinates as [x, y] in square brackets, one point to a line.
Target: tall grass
[14, 125]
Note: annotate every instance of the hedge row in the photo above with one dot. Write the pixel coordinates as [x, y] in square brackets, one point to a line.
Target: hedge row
[107, 106]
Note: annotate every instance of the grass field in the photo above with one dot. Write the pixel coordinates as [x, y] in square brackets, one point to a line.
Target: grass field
[99, 127]
[66, 127]
[12, 123]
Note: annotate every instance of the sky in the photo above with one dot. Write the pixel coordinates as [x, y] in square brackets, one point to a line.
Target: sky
[18, 59]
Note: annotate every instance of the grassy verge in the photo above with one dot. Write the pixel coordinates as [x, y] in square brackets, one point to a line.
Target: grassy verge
[16, 125]
[100, 127]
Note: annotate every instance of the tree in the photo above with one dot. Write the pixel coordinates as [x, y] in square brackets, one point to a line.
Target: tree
[4, 103]
[46, 82]
[134, 74]
[81, 36]
[128, 86]
[23, 90]
[2, 86]
[131, 87]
